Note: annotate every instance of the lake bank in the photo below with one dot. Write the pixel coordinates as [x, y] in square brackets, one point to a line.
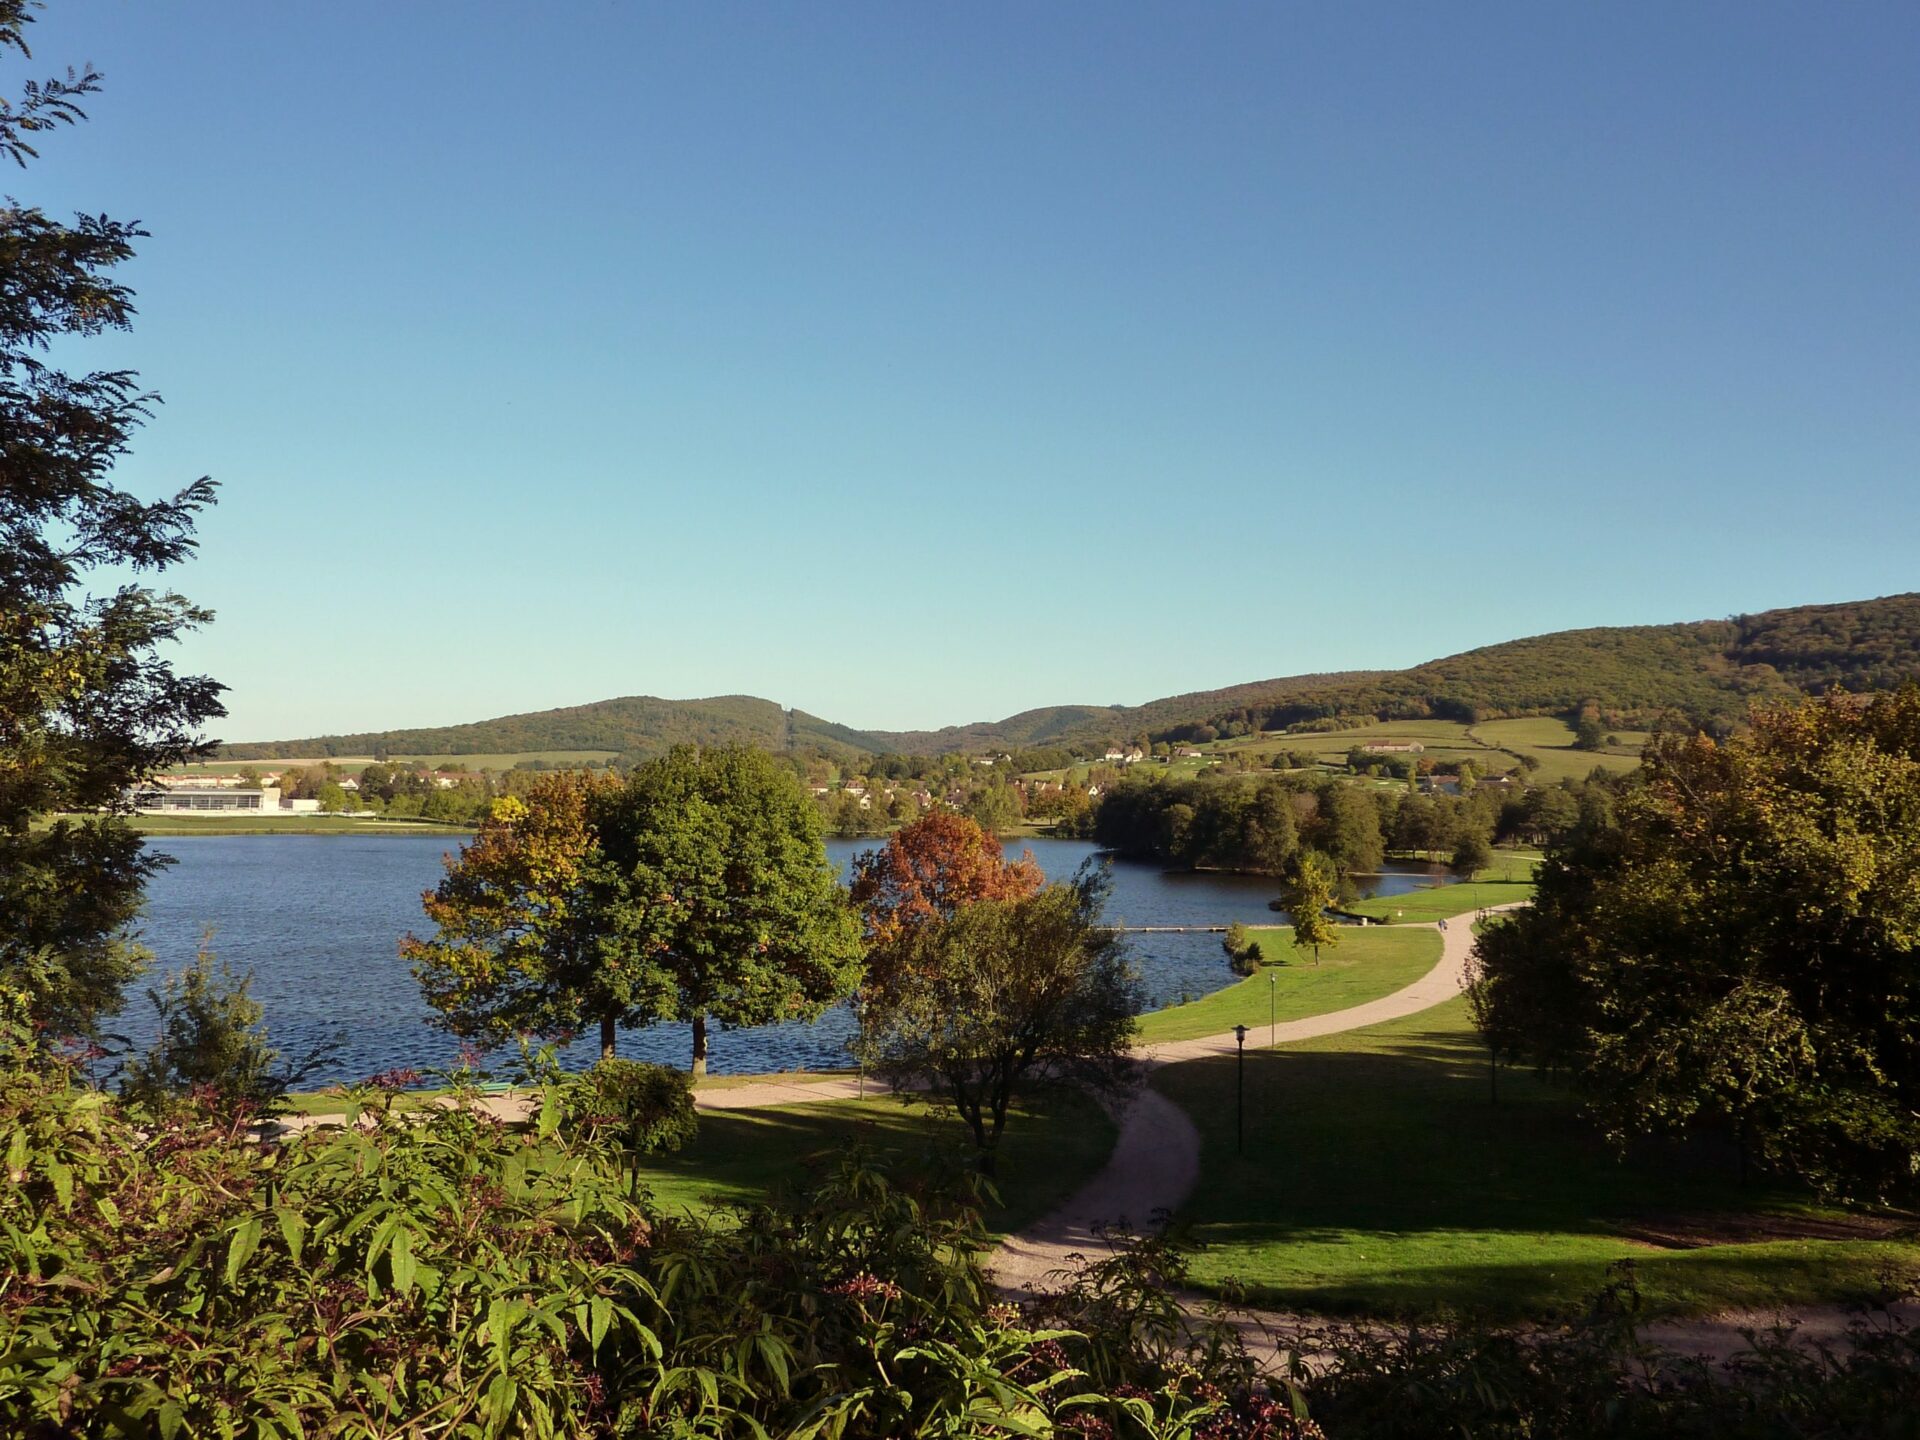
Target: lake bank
[319, 925]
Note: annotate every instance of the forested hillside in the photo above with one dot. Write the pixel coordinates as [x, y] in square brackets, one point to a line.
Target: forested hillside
[1636, 675]
[635, 724]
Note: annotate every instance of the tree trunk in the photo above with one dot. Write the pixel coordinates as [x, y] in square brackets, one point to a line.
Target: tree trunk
[700, 1046]
[606, 1037]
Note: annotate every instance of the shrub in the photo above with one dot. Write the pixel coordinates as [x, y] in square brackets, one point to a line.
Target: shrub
[440, 1273]
[211, 1047]
[1243, 951]
[645, 1109]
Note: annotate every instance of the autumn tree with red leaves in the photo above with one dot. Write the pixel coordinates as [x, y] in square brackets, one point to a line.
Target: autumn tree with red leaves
[926, 872]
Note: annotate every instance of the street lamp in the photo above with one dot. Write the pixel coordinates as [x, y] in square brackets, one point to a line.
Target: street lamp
[1273, 1008]
[1240, 1089]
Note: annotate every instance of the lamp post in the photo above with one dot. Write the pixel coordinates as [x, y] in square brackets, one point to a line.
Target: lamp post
[1240, 1090]
[1273, 1009]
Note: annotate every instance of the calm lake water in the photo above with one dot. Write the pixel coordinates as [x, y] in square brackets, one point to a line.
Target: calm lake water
[317, 919]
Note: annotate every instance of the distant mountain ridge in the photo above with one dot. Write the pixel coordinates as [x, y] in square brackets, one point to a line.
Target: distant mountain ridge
[1635, 674]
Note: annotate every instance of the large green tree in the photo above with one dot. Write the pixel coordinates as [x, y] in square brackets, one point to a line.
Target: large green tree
[1741, 945]
[89, 706]
[711, 875]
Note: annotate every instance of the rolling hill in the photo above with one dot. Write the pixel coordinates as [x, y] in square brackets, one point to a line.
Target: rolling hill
[1636, 674]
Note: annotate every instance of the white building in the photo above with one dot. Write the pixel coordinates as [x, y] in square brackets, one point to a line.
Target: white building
[164, 797]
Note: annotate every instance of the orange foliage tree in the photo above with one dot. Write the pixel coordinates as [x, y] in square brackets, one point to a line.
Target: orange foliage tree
[518, 948]
[927, 871]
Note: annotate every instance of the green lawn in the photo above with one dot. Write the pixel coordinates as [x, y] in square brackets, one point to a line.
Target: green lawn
[1507, 880]
[1053, 1144]
[1379, 1178]
[1366, 964]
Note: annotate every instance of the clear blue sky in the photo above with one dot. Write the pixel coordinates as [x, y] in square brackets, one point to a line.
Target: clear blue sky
[916, 364]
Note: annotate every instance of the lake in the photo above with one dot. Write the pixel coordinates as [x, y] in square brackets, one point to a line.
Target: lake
[317, 919]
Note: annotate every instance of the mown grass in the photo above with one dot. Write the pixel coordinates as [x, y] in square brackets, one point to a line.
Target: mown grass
[1368, 962]
[1055, 1141]
[1508, 880]
[1440, 739]
[1380, 1177]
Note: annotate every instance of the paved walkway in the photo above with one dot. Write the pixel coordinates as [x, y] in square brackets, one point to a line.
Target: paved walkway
[517, 1105]
[1156, 1159]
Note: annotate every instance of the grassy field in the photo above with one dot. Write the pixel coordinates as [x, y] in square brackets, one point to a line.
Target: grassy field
[1442, 739]
[1379, 1177]
[1507, 880]
[1366, 964]
[1055, 1140]
[1550, 741]
[1053, 1144]
[287, 825]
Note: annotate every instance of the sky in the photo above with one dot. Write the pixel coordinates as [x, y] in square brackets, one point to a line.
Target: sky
[915, 365]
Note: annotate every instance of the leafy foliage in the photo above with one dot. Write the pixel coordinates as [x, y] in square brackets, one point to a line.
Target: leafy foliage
[924, 874]
[444, 1274]
[1243, 951]
[1306, 895]
[518, 947]
[87, 705]
[1001, 993]
[714, 884]
[697, 888]
[1741, 945]
[645, 1109]
[211, 1049]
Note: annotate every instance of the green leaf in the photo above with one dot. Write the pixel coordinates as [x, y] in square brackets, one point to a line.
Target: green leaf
[400, 1259]
[293, 1229]
[246, 1240]
[501, 1315]
[500, 1397]
[549, 1112]
[599, 1317]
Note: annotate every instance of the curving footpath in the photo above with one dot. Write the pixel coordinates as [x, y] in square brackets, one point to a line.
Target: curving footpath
[1156, 1159]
